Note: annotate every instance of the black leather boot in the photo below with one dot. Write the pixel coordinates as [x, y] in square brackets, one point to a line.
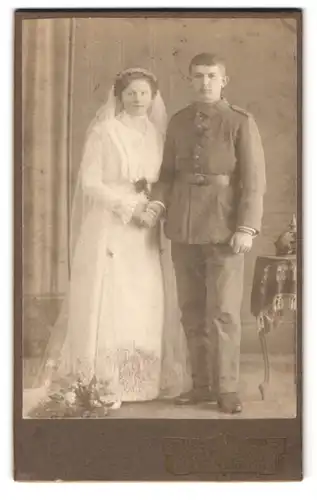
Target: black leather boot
[229, 403]
[195, 396]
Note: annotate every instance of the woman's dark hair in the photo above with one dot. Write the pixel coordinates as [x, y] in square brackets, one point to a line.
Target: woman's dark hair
[123, 81]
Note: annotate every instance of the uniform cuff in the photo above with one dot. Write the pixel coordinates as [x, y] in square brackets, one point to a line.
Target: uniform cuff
[157, 207]
[156, 202]
[247, 230]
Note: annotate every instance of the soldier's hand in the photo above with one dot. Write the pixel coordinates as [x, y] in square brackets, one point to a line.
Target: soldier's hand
[152, 214]
[138, 213]
[241, 242]
[149, 218]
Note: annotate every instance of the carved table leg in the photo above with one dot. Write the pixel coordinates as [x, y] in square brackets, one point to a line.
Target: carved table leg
[264, 386]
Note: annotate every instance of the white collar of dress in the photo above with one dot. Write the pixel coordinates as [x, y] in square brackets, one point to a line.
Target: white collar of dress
[139, 123]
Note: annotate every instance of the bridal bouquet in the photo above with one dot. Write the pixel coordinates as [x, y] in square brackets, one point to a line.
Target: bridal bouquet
[87, 395]
[82, 399]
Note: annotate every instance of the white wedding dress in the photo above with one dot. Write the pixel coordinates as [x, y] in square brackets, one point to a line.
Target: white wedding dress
[117, 311]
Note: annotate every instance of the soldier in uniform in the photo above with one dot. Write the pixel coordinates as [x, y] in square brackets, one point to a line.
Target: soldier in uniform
[210, 194]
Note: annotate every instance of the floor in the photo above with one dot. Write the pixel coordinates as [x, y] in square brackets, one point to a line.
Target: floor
[280, 401]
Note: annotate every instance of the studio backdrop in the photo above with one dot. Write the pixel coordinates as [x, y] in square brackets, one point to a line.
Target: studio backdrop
[68, 68]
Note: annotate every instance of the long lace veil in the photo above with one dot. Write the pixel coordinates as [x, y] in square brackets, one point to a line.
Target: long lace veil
[81, 205]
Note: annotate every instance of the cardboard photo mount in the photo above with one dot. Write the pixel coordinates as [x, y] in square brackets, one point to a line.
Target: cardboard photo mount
[152, 449]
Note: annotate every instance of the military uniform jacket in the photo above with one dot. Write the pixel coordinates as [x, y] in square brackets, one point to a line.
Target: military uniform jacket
[212, 179]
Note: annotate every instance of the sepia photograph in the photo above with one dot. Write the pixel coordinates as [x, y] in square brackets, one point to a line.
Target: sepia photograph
[160, 227]
[159, 218]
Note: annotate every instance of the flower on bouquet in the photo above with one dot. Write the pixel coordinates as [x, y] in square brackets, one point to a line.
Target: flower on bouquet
[141, 186]
[83, 398]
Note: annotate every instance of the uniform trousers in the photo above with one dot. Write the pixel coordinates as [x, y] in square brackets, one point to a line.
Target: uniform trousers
[209, 280]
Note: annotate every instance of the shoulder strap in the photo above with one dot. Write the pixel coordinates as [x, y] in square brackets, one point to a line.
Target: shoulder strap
[240, 110]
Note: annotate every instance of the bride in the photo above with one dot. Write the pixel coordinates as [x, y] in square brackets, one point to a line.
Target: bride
[111, 326]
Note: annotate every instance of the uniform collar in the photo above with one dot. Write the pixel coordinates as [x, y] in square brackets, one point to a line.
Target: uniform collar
[210, 109]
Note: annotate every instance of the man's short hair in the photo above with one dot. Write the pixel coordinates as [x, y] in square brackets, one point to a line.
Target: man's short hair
[207, 59]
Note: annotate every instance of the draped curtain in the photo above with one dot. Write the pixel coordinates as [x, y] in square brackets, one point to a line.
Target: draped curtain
[47, 61]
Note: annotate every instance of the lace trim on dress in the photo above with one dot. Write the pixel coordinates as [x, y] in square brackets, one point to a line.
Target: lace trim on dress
[131, 374]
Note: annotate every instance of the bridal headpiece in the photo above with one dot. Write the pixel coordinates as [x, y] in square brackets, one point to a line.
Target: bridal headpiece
[157, 112]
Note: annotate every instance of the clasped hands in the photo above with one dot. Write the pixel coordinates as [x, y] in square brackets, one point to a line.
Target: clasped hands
[147, 215]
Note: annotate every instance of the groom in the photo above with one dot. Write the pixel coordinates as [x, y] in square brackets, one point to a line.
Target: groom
[210, 193]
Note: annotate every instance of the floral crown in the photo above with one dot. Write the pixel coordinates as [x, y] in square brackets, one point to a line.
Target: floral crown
[131, 71]
[120, 83]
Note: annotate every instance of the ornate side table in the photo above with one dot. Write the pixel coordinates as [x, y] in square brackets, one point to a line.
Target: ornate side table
[274, 289]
